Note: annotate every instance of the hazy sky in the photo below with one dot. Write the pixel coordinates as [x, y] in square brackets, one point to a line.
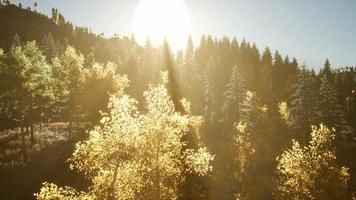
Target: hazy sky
[311, 30]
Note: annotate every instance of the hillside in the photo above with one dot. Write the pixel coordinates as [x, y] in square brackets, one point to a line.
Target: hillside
[27, 24]
[31, 25]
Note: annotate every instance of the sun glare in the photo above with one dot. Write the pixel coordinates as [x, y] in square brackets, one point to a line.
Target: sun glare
[159, 19]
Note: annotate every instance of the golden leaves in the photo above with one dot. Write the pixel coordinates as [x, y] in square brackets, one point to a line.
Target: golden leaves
[138, 155]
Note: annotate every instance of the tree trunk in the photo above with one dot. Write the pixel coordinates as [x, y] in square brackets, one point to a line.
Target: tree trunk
[27, 130]
[70, 128]
[157, 181]
[23, 145]
[32, 133]
[111, 194]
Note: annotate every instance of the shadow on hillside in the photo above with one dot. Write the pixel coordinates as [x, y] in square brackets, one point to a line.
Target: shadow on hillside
[48, 165]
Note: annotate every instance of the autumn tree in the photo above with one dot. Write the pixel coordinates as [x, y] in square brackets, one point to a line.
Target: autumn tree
[243, 150]
[136, 155]
[28, 92]
[69, 78]
[101, 81]
[311, 172]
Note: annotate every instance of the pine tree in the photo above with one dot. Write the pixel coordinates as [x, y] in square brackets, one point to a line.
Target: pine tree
[312, 172]
[252, 111]
[249, 131]
[331, 111]
[173, 84]
[136, 155]
[209, 94]
[304, 104]
[264, 85]
[327, 71]
[16, 41]
[49, 46]
[234, 97]
[279, 77]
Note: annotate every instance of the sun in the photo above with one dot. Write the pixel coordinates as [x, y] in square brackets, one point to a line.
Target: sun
[159, 19]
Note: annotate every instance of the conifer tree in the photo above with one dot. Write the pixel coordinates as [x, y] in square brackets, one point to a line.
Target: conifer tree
[209, 94]
[331, 111]
[304, 104]
[189, 72]
[327, 71]
[264, 85]
[252, 111]
[234, 97]
[49, 46]
[312, 172]
[279, 77]
[16, 41]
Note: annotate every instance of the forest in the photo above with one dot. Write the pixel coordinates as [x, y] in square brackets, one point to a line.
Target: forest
[83, 116]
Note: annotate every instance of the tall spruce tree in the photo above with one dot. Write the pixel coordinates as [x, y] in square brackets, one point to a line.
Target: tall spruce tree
[304, 104]
[327, 71]
[331, 111]
[210, 111]
[50, 48]
[264, 85]
[234, 97]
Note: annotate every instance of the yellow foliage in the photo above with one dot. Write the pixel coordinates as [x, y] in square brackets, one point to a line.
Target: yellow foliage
[137, 155]
[311, 172]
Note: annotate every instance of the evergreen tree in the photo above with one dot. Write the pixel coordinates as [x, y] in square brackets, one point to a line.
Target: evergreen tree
[49, 46]
[247, 136]
[331, 111]
[173, 84]
[264, 85]
[304, 104]
[279, 77]
[252, 111]
[209, 95]
[189, 74]
[234, 97]
[327, 71]
[16, 41]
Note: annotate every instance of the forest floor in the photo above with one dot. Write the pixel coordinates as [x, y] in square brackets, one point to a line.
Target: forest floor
[45, 162]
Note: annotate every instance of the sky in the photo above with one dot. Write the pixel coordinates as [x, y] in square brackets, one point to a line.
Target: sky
[310, 30]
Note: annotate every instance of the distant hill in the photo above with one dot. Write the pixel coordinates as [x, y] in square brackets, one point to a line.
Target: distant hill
[31, 25]
[27, 24]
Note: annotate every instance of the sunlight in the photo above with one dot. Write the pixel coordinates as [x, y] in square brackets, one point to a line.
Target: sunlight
[159, 19]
